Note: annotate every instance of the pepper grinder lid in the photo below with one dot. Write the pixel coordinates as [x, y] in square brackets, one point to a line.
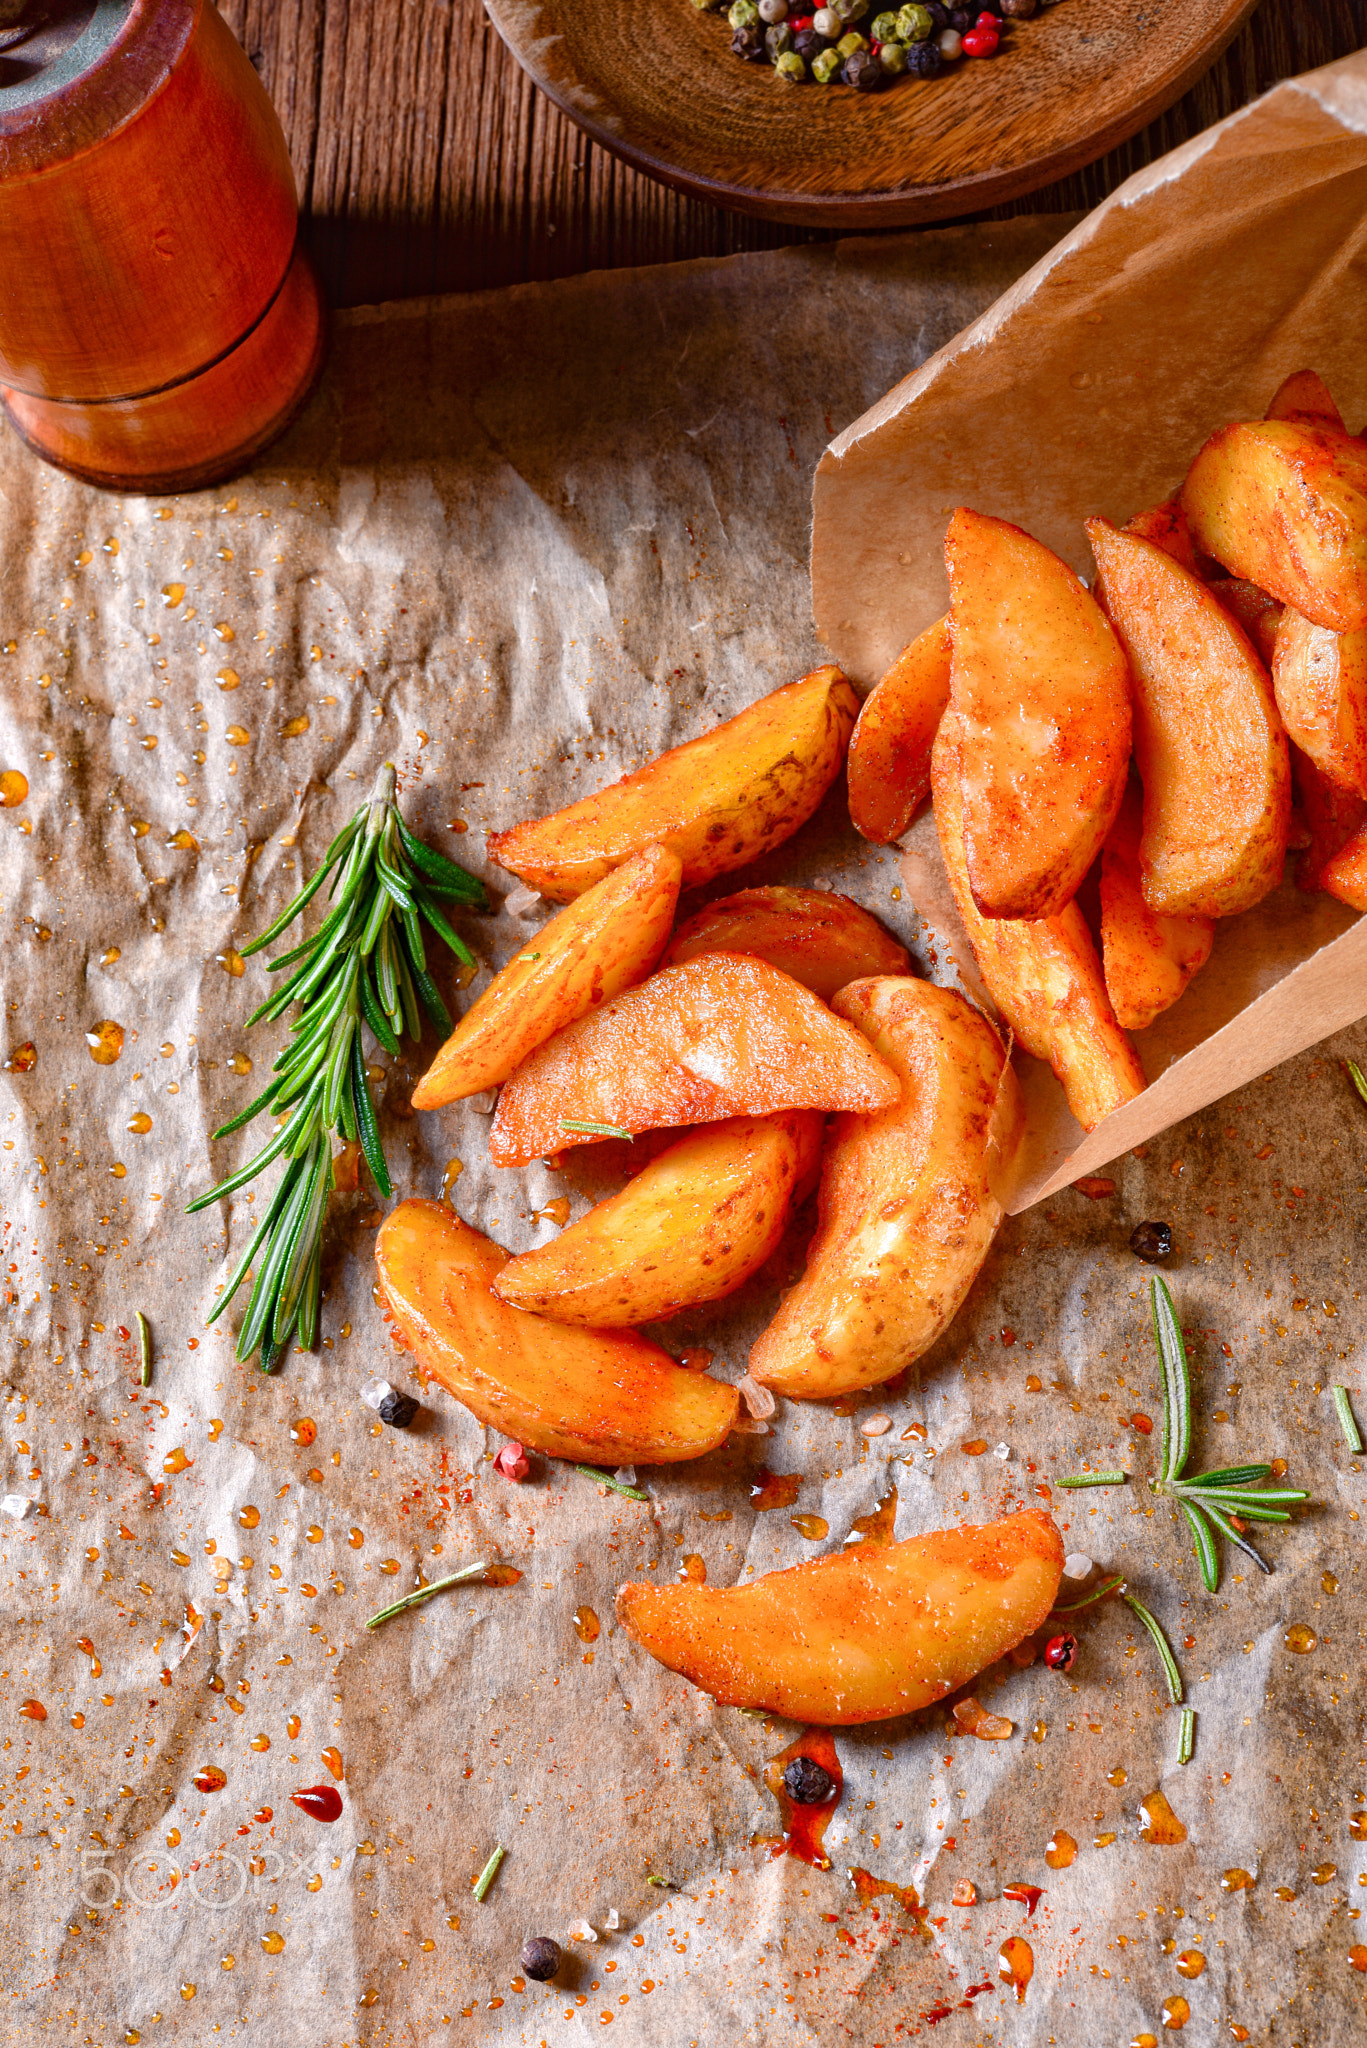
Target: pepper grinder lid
[45, 44]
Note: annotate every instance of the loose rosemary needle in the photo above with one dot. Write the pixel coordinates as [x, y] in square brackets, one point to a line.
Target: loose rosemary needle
[365, 964]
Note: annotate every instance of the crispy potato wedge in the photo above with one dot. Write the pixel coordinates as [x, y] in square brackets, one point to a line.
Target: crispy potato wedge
[1147, 959]
[1331, 817]
[1304, 395]
[1344, 874]
[1166, 526]
[1284, 503]
[906, 1211]
[1209, 743]
[717, 802]
[689, 1228]
[1041, 694]
[862, 1635]
[721, 1036]
[1320, 682]
[1257, 611]
[611, 937]
[818, 937]
[888, 769]
[1042, 974]
[607, 1397]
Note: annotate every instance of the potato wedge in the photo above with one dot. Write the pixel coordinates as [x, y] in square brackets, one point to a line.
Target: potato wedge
[1331, 817]
[862, 1635]
[1320, 682]
[818, 937]
[606, 1397]
[1284, 503]
[606, 940]
[1041, 692]
[888, 769]
[1257, 611]
[689, 1228]
[720, 1036]
[1345, 874]
[907, 1213]
[717, 801]
[1166, 526]
[1304, 395]
[1147, 959]
[1042, 974]
[1209, 743]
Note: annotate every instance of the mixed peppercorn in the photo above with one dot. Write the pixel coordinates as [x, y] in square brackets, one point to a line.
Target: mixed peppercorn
[840, 43]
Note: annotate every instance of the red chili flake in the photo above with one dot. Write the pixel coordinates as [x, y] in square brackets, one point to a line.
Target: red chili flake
[1097, 1187]
[1029, 1896]
[319, 1802]
[513, 1462]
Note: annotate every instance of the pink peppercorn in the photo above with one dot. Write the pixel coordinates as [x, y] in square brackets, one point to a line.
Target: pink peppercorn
[980, 42]
[513, 1462]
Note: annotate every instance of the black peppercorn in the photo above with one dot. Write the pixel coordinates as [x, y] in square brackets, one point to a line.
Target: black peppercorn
[806, 1783]
[960, 18]
[924, 59]
[939, 16]
[397, 1410]
[809, 44]
[1018, 10]
[1151, 1242]
[541, 1957]
[749, 43]
[863, 71]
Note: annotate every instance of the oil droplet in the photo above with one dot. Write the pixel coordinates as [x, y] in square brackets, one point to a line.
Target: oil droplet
[33, 1710]
[110, 955]
[868, 1888]
[1300, 1638]
[231, 961]
[304, 1430]
[183, 839]
[974, 1448]
[1016, 1964]
[1144, 2041]
[119, 1170]
[877, 1527]
[500, 1575]
[249, 1516]
[356, 1537]
[1324, 1873]
[1033, 1383]
[176, 1461]
[557, 1211]
[691, 1566]
[292, 727]
[321, 1802]
[1283, 1891]
[228, 679]
[237, 736]
[13, 788]
[140, 1124]
[1161, 1824]
[1062, 1850]
[211, 1778]
[187, 1992]
[1176, 2013]
[149, 741]
[105, 1041]
[315, 1534]
[23, 1059]
[454, 1169]
[770, 1490]
[1279, 1468]
[140, 827]
[972, 1718]
[1357, 1957]
[587, 1625]
[1237, 1881]
[1119, 1776]
[1328, 1583]
[240, 1063]
[1190, 1963]
[171, 594]
[227, 1962]
[333, 1759]
[1143, 1423]
[965, 1893]
[813, 1527]
[804, 1826]
[260, 1743]
[215, 1428]
[173, 1838]
[292, 1727]
[389, 1566]
[78, 1720]
[272, 1943]
[315, 1883]
[1039, 1731]
[223, 631]
[1357, 1826]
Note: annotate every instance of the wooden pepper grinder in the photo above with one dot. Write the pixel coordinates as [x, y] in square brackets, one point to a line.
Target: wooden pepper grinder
[159, 322]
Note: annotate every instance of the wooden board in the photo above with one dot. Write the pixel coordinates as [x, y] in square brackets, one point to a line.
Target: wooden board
[428, 161]
[674, 102]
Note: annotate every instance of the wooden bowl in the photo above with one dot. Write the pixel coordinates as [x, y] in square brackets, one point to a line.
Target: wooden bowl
[658, 85]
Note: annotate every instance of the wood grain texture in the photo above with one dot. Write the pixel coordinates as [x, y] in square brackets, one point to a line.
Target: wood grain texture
[428, 162]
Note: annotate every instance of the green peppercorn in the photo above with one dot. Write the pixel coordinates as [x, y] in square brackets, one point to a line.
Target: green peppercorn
[848, 45]
[826, 66]
[914, 24]
[884, 28]
[778, 40]
[742, 13]
[851, 10]
[791, 68]
[892, 55]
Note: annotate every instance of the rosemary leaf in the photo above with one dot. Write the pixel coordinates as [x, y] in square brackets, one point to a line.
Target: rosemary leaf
[144, 1350]
[1352, 1435]
[570, 1123]
[1151, 1623]
[1172, 1351]
[488, 1874]
[1099, 1592]
[1207, 1556]
[460, 1578]
[1186, 1741]
[606, 1479]
[1358, 1078]
[1231, 1535]
[1095, 1479]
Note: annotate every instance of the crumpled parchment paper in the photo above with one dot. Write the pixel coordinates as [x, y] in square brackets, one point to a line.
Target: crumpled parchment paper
[518, 543]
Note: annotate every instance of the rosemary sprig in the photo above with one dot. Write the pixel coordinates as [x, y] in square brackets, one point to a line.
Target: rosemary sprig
[365, 965]
[144, 1349]
[590, 1130]
[460, 1578]
[1343, 1408]
[1095, 1479]
[1164, 1647]
[488, 1874]
[1220, 1500]
[1186, 1741]
[617, 1485]
[1357, 1077]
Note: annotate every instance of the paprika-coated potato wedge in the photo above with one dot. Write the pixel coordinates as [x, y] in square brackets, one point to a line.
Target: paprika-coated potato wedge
[721, 1036]
[1320, 682]
[717, 801]
[862, 1635]
[888, 770]
[822, 939]
[611, 937]
[1043, 974]
[1304, 395]
[1041, 695]
[1166, 526]
[907, 1211]
[606, 1397]
[689, 1228]
[1284, 503]
[1208, 740]
[1257, 611]
[1147, 959]
[1330, 815]
[1345, 874]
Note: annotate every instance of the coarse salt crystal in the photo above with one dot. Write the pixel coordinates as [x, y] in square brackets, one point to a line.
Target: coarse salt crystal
[613, 1920]
[876, 1425]
[518, 902]
[1076, 1566]
[580, 1930]
[750, 1425]
[374, 1391]
[1003, 1451]
[17, 1505]
[625, 1475]
[483, 1104]
[758, 1400]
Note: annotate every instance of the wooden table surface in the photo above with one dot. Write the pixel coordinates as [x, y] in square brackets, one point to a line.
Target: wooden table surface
[428, 162]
